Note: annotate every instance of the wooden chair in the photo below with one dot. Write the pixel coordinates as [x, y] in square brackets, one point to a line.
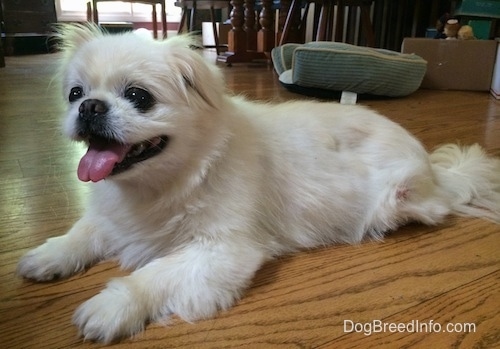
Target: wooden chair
[324, 20]
[188, 16]
[95, 15]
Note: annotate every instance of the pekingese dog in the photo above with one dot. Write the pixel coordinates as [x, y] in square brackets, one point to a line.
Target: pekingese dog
[196, 189]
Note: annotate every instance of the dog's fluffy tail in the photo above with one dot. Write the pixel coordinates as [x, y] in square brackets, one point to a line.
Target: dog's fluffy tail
[470, 178]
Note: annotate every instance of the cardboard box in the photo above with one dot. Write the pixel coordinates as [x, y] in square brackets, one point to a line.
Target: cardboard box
[455, 64]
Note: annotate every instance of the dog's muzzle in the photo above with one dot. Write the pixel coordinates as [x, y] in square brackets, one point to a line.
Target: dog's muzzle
[107, 155]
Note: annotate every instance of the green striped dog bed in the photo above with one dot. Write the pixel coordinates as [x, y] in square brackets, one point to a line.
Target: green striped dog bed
[334, 66]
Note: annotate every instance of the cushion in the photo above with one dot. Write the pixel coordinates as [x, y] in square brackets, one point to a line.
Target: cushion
[335, 66]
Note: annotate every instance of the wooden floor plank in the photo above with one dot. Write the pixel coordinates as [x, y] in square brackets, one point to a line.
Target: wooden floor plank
[449, 328]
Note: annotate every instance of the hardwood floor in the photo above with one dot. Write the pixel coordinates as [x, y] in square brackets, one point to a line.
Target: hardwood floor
[445, 275]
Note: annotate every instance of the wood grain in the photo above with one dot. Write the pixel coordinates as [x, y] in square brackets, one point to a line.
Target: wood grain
[448, 274]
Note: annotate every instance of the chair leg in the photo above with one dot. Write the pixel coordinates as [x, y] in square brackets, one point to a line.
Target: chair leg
[95, 14]
[303, 22]
[339, 29]
[292, 11]
[329, 21]
[89, 12]
[323, 24]
[367, 25]
[183, 20]
[214, 28]
[163, 19]
[193, 17]
[155, 22]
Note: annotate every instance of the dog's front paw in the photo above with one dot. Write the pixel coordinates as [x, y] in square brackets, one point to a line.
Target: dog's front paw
[111, 315]
[48, 262]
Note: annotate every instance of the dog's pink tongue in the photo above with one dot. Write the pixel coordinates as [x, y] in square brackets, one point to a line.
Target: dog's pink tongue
[100, 159]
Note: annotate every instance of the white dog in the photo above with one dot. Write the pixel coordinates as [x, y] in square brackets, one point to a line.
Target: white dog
[196, 189]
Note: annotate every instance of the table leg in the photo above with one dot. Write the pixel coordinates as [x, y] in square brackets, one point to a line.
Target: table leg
[238, 50]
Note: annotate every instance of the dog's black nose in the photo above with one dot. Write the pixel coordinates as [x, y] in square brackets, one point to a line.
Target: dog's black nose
[91, 108]
[93, 119]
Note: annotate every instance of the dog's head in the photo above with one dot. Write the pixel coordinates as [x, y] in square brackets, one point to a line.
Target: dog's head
[138, 103]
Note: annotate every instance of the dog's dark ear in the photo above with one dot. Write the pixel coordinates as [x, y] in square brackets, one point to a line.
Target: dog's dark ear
[71, 36]
[190, 84]
[194, 73]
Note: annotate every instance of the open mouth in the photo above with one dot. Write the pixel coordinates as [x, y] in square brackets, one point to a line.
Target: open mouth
[106, 157]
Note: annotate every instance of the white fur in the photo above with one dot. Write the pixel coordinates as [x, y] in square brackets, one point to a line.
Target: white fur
[239, 183]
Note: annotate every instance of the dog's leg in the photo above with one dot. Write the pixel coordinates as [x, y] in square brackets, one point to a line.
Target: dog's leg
[65, 255]
[193, 283]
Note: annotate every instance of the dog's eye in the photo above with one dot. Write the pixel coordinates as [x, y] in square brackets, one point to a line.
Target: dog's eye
[142, 99]
[75, 94]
